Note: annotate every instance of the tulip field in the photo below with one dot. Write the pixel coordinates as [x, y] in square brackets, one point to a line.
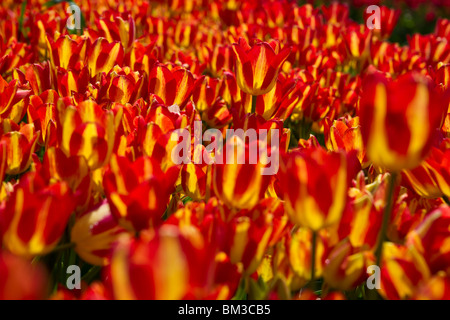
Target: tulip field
[218, 150]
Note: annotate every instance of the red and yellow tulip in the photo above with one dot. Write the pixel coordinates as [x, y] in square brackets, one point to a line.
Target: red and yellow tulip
[257, 66]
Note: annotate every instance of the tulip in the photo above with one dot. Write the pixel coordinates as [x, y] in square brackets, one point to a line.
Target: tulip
[388, 20]
[172, 86]
[72, 170]
[430, 48]
[206, 94]
[96, 291]
[220, 58]
[189, 61]
[430, 237]
[165, 147]
[403, 270]
[279, 102]
[142, 57]
[39, 77]
[239, 186]
[399, 118]
[103, 55]
[247, 241]
[94, 234]
[35, 216]
[443, 75]
[273, 211]
[336, 13]
[305, 176]
[230, 90]
[345, 134]
[15, 56]
[163, 117]
[12, 100]
[196, 179]
[3, 156]
[361, 220]
[20, 146]
[436, 288]
[138, 192]
[19, 280]
[438, 177]
[64, 294]
[87, 130]
[123, 85]
[42, 112]
[300, 254]
[443, 28]
[314, 185]
[311, 143]
[422, 180]
[115, 28]
[276, 270]
[346, 267]
[218, 115]
[169, 264]
[66, 52]
[357, 40]
[74, 81]
[257, 67]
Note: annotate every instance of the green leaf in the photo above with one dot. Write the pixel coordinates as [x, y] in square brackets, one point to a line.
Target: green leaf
[240, 294]
[21, 18]
[51, 3]
[186, 199]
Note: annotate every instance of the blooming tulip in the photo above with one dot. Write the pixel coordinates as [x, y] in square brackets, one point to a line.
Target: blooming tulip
[399, 118]
[257, 67]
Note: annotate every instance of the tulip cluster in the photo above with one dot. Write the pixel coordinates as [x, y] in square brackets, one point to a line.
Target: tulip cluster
[90, 118]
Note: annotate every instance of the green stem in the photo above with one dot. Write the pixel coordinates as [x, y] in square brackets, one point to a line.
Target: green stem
[305, 129]
[21, 18]
[64, 246]
[386, 217]
[91, 274]
[254, 104]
